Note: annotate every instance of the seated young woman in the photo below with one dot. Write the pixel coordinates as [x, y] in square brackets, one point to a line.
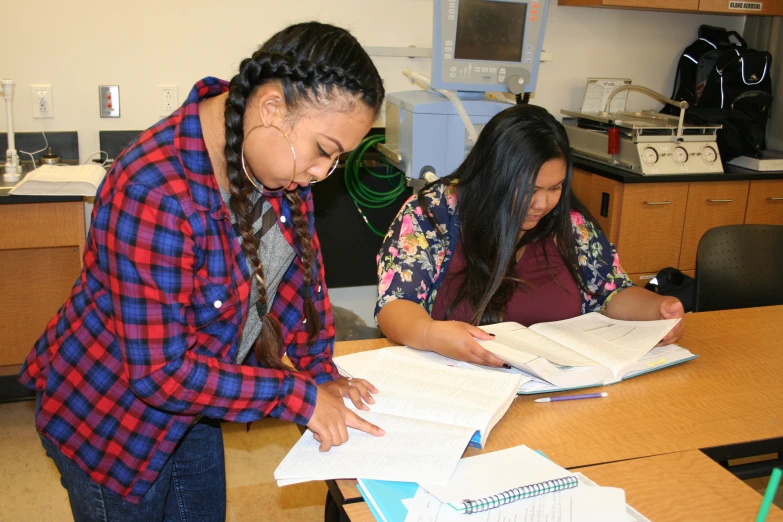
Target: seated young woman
[503, 238]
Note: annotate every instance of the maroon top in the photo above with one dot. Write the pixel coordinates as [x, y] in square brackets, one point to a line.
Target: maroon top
[551, 293]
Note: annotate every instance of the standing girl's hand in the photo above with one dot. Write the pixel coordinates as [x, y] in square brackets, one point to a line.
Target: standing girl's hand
[331, 420]
[358, 390]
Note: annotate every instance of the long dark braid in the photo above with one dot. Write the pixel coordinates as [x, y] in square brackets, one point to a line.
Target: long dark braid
[299, 221]
[310, 60]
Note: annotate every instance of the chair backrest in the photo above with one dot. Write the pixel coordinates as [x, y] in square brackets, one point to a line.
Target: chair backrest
[739, 266]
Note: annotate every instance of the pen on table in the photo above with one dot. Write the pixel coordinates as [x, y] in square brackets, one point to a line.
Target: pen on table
[769, 495]
[573, 397]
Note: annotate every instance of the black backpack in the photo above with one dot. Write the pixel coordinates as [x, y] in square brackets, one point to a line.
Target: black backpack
[727, 84]
[671, 281]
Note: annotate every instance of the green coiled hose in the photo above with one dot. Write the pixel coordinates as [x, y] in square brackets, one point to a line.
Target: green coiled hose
[362, 195]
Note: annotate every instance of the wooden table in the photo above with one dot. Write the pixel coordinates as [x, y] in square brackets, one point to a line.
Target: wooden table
[683, 487]
[731, 394]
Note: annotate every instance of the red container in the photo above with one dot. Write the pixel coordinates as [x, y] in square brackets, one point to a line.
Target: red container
[613, 144]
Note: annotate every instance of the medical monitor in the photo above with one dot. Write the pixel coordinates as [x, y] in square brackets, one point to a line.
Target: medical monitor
[484, 45]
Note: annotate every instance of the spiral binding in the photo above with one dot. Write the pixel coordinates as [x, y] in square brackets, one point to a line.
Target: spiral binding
[512, 495]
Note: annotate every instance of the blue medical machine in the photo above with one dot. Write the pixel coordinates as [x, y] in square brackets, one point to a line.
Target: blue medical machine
[478, 47]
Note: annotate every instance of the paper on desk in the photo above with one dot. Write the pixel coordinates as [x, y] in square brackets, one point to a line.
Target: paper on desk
[581, 504]
[493, 473]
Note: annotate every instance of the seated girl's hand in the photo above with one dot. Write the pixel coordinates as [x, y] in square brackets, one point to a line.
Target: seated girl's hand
[671, 308]
[358, 390]
[457, 340]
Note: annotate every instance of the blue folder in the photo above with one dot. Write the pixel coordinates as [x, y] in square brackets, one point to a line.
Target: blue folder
[384, 498]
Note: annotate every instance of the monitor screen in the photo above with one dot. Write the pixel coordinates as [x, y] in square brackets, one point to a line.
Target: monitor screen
[490, 30]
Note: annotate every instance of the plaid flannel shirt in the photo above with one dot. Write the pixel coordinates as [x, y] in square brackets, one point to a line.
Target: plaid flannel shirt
[146, 342]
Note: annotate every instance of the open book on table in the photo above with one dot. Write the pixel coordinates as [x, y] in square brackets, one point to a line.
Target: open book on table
[61, 180]
[587, 350]
[430, 413]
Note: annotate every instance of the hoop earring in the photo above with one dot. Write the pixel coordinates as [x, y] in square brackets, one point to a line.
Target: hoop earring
[314, 180]
[258, 186]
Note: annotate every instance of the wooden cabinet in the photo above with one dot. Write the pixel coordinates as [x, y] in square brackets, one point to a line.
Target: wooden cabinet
[41, 254]
[765, 202]
[669, 5]
[762, 7]
[655, 225]
[602, 197]
[710, 204]
[651, 225]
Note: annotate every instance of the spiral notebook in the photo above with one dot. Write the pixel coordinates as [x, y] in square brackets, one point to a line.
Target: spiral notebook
[470, 506]
[491, 480]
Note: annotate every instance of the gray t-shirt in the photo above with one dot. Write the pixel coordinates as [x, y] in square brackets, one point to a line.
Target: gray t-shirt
[276, 255]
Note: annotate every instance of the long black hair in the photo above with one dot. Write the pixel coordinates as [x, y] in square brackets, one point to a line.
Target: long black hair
[494, 187]
[316, 64]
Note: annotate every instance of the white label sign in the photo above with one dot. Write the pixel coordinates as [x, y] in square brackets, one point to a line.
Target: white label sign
[745, 6]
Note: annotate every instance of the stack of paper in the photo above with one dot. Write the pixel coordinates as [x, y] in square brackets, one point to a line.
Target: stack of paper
[61, 180]
[497, 475]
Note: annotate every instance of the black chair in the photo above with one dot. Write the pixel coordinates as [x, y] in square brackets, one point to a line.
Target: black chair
[739, 266]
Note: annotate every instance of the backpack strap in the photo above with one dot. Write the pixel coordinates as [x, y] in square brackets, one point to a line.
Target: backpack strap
[742, 43]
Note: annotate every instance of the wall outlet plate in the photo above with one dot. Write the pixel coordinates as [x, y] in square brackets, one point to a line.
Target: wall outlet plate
[109, 100]
[168, 99]
[43, 101]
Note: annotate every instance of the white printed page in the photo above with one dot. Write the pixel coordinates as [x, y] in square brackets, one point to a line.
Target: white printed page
[633, 335]
[581, 504]
[412, 450]
[529, 342]
[353, 365]
[612, 343]
[438, 393]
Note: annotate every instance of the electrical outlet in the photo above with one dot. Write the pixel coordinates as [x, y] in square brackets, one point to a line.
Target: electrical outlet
[43, 101]
[109, 101]
[168, 99]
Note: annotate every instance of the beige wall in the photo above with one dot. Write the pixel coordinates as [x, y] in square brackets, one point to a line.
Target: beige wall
[138, 44]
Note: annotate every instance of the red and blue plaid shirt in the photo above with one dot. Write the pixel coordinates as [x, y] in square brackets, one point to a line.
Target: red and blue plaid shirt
[147, 340]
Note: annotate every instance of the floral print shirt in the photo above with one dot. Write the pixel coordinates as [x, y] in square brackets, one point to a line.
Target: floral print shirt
[415, 256]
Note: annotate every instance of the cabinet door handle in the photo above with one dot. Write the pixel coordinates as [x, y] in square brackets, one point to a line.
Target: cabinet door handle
[775, 199]
[720, 200]
[657, 202]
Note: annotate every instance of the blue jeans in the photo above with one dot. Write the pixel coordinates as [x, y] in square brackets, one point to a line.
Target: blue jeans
[191, 486]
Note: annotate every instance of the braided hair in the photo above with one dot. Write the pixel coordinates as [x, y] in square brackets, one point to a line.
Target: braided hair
[314, 63]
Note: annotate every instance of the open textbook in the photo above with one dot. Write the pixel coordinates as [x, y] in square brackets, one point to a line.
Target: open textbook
[589, 350]
[430, 413]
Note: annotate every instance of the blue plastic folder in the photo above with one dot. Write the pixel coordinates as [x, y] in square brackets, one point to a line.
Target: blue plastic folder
[384, 498]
